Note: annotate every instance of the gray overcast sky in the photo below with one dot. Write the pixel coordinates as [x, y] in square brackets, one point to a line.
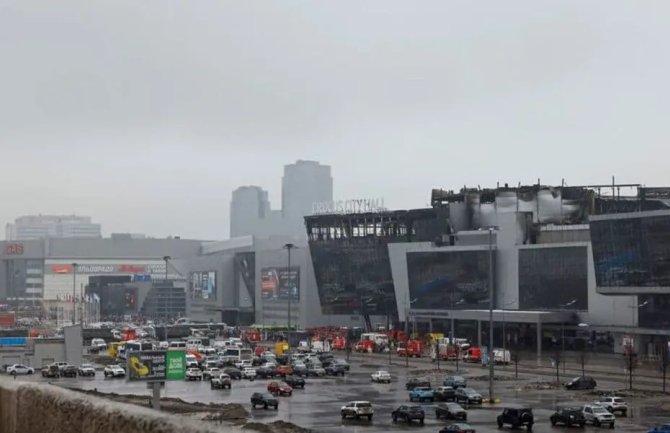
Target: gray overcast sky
[147, 114]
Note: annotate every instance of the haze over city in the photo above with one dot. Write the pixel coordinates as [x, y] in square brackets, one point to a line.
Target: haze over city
[146, 116]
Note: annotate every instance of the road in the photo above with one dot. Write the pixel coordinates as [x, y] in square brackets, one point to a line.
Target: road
[317, 407]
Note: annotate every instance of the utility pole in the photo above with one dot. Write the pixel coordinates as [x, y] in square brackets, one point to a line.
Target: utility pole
[167, 291]
[288, 248]
[74, 293]
[490, 349]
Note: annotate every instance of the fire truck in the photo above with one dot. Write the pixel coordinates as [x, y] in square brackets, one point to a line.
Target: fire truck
[371, 342]
[413, 348]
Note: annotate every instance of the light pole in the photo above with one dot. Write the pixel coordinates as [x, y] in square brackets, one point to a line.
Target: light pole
[583, 357]
[288, 248]
[563, 307]
[491, 368]
[167, 291]
[74, 293]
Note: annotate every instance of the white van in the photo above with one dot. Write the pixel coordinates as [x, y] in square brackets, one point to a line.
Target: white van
[501, 356]
[236, 354]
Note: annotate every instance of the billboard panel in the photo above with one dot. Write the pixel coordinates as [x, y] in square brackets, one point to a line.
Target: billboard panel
[203, 285]
[277, 283]
[176, 365]
[147, 365]
[448, 279]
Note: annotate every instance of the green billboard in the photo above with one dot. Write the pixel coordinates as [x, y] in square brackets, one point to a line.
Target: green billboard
[176, 365]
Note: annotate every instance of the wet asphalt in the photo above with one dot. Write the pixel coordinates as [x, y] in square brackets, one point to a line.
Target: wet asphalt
[318, 405]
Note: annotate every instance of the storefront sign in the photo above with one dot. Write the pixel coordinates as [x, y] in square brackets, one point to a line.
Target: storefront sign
[122, 268]
[14, 249]
[341, 207]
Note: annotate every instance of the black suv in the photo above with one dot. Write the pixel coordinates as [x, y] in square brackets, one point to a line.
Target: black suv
[264, 399]
[336, 370]
[417, 383]
[233, 372]
[568, 416]
[409, 414]
[266, 371]
[516, 416]
[450, 411]
[295, 382]
[583, 382]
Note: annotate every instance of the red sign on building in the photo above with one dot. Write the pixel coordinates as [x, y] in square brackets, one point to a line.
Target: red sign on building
[14, 249]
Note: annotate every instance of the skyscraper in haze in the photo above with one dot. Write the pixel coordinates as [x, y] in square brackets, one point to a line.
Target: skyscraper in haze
[303, 184]
[248, 205]
[29, 227]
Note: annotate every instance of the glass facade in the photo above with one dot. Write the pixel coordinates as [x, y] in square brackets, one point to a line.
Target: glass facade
[632, 252]
[654, 311]
[550, 278]
[354, 276]
[448, 279]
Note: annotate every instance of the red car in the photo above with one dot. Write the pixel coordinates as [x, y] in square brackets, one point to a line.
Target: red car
[279, 388]
[283, 370]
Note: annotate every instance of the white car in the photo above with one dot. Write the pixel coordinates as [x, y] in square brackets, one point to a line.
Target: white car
[249, 373]
[381, 376]
[17, 369]
[598, 415]
[86, 370]
[243, 364]
[193, 374]
[358, 409]
[209, 373]
[114, 370]
[614, 404]
[98, 345]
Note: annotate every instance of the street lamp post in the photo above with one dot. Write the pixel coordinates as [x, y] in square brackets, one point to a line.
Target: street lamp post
[288, 248]
[563, 307]
[167, 291]
[491, 368]
[74, 293]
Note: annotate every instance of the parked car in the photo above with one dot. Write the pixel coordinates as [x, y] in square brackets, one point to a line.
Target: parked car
[249, 373]
[450, 411]
[295, 382]
[614, 404]
[299, 368]
[339, 362]
[568, 416]
[86, 370]
[598, 415]
[317, 370]
[334, 370]
[445, 393]
[517, 416]
[193, 374]
[357, 409]
[114, 370]
[69, 371]
[408, 414]
[283, 370]
[97, 345]
[51, 370]
[468, 396]
[266, 371]
[582, 382]
[61, 365]
[663, 428]
[220, 381]
[264, 399]
[233, 372]
[209, 373]
[17, 369]
[279, 388]
[422, 394]
[455, 382]
[414, 383]
[458, 428]
[381, 376]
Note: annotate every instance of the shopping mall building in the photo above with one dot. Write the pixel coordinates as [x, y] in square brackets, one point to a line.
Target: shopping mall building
[569, 266]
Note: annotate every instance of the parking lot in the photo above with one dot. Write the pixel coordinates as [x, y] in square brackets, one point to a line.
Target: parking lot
[318, 405]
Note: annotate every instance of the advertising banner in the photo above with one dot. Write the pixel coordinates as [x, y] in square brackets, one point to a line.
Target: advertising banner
[176, 365]
[147, 366]
[203, 285]
[278, 283]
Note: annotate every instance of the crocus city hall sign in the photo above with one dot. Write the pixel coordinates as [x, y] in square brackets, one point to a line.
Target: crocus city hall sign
[364, 205]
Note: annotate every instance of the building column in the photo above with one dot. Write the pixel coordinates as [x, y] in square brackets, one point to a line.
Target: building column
[430, 326]
[539, 343]
[479, 333]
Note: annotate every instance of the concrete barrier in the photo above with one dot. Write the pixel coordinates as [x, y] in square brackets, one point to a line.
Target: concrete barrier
[41, 408]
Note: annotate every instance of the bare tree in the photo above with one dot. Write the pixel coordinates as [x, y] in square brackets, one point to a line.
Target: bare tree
[557, 362]
[516, 357]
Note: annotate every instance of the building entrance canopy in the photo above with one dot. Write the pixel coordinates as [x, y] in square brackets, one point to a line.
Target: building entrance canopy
[517, 316]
